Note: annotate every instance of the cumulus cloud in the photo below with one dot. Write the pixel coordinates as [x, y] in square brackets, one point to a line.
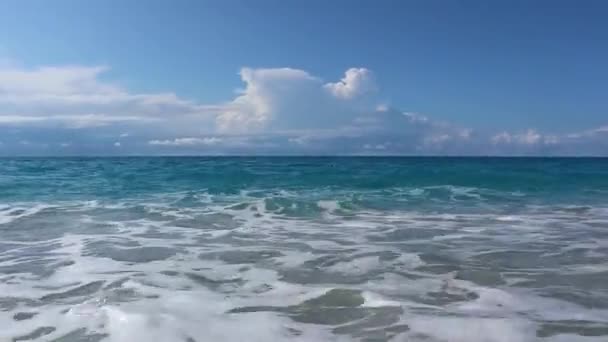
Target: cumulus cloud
[266, 93]
[279, 110]
[356, 82]
[288, 99]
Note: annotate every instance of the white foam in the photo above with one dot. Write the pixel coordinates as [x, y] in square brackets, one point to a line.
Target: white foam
[574, 338]
[508, 218]
[292, 259]
[173, 307]
[330, 206]
[462, 329]
[374, 300]
[356, 266]
[197, 314]
[176, 314]
[408, 260]
[11, 213]
[416, 192]
[501, 302]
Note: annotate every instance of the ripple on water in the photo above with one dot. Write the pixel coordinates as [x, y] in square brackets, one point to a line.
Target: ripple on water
[315, 272]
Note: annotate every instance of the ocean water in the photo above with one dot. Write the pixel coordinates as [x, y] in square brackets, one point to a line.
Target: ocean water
[303, 249]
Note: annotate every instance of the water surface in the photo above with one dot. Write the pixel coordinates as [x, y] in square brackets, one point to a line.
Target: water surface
[304, 249]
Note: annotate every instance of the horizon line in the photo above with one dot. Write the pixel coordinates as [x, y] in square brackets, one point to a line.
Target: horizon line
[297, 156]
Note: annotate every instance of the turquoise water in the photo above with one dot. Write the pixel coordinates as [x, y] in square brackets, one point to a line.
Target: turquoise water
[304, 249]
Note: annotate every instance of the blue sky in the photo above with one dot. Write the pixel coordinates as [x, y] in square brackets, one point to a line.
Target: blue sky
[426, 77]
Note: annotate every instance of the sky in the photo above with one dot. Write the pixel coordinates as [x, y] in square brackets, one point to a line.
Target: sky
[359, 77]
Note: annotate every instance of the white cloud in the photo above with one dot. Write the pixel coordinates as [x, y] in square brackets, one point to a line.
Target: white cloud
[208, 141]
[286, 99]
[502, 138]
[52, 82]
[382, 108]
[76, 97]
[437, 139]
[603, 129]
[529, 137]
[72, 121]
[302, 140]
[20, 119]
[269, 96]
[356, 82]
[279, 110]
[74, 85]
[589, 133]
[551, 139]
[379, 147]
[415, 117]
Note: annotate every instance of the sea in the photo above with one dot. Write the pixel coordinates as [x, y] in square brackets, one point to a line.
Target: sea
[194, 249]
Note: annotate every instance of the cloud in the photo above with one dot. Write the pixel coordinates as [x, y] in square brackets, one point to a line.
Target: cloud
[74, 85]
[266, 93]
[380, 147]
[356, 82]
[599, 131]
[602, 130]
[76, 97]
[529, 137]
[288, 99]
[210, 141]
[75, 109]
[71, 121]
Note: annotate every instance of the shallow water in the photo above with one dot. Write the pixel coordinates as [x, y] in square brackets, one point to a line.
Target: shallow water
[303, 249]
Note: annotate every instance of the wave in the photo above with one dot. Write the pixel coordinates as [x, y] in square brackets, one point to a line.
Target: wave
[305, 263]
